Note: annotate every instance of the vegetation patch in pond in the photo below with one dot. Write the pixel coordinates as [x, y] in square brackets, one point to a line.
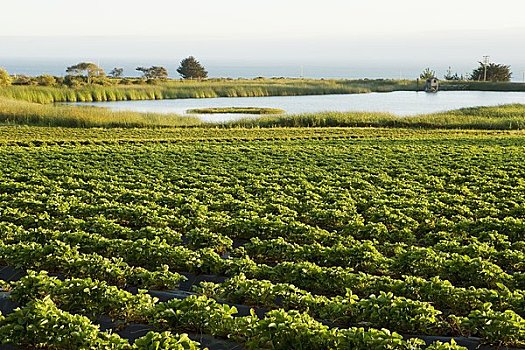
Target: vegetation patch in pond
[240, 110]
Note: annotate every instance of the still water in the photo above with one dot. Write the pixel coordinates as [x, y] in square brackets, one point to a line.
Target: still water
[402, 103]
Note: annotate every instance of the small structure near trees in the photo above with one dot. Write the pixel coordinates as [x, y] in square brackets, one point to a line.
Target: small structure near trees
[432, 85]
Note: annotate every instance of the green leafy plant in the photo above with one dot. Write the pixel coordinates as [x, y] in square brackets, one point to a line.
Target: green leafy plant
[41, 323]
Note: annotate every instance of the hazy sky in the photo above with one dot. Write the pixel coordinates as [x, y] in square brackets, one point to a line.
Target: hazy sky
[371, 32]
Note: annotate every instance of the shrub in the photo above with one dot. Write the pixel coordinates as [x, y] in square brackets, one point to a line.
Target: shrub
[5, 78]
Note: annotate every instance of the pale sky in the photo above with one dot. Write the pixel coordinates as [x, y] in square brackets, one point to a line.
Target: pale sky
[260, 19]
[364, 31]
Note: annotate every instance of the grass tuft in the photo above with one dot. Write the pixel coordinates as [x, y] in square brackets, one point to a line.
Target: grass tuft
[239, 110]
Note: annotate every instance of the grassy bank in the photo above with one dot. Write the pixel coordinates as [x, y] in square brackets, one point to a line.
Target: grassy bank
[175, 89]
[194, 89]
[481, 86]
[27, 113]
[506, 117]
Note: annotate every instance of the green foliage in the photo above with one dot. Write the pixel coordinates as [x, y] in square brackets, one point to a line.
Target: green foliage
[347, 236]
[24, 80]
[494, 72]
[427, 73]
[41, 323]
[165, 341]
[46, 80]
[154, 72]
[499, 328]
[454, 77]
[5, 78]
[195, 314]
[116, 72]
[202, 238]
[403, 315]
[190, 68]
[61, 257]
[83, 296]
[287, 330]
[383, 311]
[437, 345]
[86, 69]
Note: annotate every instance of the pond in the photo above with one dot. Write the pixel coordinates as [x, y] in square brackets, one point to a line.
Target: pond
[402, 103]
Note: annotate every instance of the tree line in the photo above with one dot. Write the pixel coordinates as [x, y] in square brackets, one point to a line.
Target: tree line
[90, 73]
[484, 72]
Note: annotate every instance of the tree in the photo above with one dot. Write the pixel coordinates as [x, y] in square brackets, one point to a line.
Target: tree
[5, 78]
[450, 76]
[116, 72]
[153, 72]
[86, 69]
[495, 72]
[23, 80]
[427, 74]
[46, 80]
[190, 68]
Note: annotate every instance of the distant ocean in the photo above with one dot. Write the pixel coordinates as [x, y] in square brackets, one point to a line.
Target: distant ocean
[221, 70]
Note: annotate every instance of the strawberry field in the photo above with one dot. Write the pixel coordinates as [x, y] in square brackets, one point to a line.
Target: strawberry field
[257, 240]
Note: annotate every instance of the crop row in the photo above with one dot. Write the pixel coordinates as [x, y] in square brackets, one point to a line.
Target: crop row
[417, 235]
[277, 330]
[42, 323]
[61, 258]
[460, 269]
[125, 262]
[381, 311]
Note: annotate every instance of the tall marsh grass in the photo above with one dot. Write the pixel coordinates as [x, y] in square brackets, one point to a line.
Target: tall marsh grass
[27, 113]
[505, 117]
[181, 89]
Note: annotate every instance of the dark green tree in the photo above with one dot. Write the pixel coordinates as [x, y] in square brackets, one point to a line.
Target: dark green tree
[116, 72]
[190, 68]
[450, 76]
[87, 69]
[5, 78]
[153, 72]
[427, 74]
[495, 72]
